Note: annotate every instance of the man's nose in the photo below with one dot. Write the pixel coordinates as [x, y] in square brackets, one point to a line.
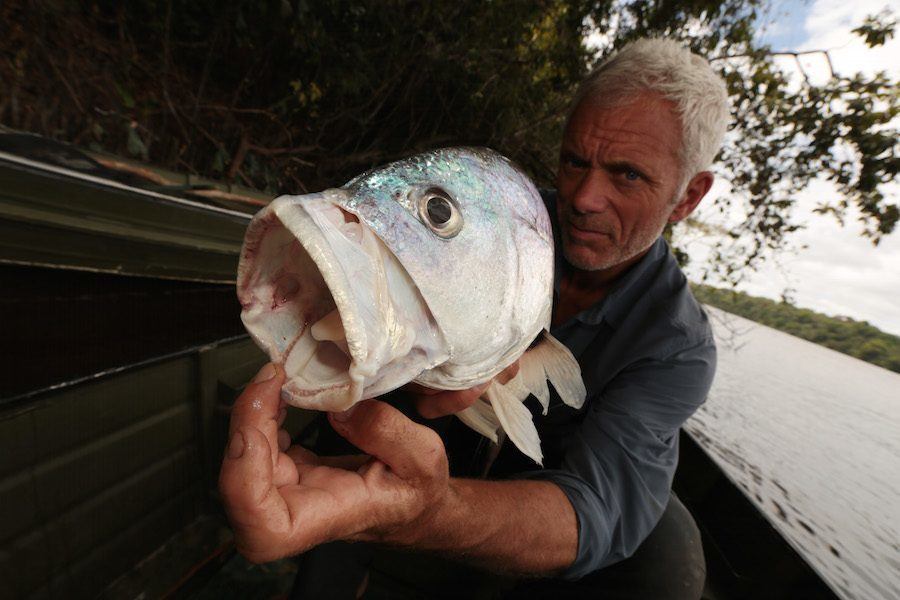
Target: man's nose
[591, 194]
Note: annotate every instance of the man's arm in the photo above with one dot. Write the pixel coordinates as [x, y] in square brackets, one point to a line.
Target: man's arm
[521, 527]
[619, 463]
[283, 501]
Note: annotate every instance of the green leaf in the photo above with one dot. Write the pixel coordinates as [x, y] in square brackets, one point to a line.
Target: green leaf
[127, 98]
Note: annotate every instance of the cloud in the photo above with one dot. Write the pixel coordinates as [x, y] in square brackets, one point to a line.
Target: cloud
[829, 26]
[839, 272]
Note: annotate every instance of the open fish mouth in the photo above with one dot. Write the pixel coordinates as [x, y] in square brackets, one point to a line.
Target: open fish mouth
[323, 296]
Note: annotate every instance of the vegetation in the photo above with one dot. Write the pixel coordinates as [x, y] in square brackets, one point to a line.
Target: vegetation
[856, 338]
[297, 95]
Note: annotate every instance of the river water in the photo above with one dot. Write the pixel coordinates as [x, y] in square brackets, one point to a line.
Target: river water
[813, 437]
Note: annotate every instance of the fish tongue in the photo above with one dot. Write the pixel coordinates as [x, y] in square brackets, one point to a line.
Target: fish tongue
[329, 328]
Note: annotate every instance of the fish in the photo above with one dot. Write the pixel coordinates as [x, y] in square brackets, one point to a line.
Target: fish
[435, 269]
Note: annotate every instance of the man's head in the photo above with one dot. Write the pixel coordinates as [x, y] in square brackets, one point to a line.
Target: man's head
[643, 128]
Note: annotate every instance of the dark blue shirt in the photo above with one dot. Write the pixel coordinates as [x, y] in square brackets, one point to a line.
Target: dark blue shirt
[648, 358]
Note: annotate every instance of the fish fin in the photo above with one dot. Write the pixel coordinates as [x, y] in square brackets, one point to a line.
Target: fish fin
[562, 370]
[516, 421]
[516, 386]
[482, 418]
[533, 376]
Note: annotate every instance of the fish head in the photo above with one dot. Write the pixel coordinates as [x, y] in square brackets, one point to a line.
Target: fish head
[437, 268]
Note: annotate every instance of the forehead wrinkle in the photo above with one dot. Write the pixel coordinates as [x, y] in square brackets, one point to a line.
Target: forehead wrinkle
[640, 126]
[621, 138]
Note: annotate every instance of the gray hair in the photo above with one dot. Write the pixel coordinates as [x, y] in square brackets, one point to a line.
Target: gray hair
[680, 76]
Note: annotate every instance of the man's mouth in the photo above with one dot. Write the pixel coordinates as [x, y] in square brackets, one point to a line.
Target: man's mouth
[587, 232]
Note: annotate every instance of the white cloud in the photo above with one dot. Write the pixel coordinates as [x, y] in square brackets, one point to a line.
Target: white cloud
[829, 26]
[835, 270]
[839, 272]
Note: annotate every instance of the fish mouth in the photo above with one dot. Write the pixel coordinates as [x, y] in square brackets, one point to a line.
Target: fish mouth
[324, 297]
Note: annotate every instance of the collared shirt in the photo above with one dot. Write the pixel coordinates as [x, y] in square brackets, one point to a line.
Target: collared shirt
[647, 357]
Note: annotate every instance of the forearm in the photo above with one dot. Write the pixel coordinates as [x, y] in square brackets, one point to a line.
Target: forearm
[521, 527]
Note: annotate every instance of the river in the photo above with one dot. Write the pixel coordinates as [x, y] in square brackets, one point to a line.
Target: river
[813, 437]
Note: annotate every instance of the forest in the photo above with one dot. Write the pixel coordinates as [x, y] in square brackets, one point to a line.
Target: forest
[291, 96]
[855, 338]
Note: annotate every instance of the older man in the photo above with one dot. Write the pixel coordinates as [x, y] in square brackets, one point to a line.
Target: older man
[643, 130]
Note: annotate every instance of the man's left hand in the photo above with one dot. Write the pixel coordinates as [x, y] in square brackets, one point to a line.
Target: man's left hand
[282, 500]
[433, 404]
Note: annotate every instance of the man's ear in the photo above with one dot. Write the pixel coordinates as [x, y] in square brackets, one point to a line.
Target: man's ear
[693, 194]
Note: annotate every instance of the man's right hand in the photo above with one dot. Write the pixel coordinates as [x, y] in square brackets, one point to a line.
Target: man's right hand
[432, 403]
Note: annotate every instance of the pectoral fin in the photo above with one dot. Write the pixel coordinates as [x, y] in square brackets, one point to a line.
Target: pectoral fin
[533, 376]
[548, 360]
[515, 418]
[481, 417]
[551, 360]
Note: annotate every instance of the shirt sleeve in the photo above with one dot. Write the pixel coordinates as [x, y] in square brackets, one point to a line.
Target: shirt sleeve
[618, 467]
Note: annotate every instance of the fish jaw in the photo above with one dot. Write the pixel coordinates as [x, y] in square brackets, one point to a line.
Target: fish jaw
[323, 296]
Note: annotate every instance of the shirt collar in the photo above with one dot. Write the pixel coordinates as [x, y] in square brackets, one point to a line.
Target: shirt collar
[626, 292]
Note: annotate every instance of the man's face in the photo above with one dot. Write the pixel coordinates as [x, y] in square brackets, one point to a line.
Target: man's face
[618, 175]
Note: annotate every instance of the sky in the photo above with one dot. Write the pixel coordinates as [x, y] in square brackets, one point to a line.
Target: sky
[834, 269]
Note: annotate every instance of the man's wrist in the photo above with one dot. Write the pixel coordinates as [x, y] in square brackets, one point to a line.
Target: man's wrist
[427, 530]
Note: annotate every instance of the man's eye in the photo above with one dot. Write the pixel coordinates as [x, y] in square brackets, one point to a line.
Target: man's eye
[574, 162]
[632, 175]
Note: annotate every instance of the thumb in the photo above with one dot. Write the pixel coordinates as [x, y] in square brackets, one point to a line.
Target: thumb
[246, 476]
[380, 430]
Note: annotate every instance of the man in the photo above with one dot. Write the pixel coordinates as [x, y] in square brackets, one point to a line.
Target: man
[643, 129]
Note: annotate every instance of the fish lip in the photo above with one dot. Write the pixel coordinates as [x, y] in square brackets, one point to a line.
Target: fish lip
[300, 220]
[289, 214]
[305, 230]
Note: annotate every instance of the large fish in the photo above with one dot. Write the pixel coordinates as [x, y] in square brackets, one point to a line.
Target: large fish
[436, 269]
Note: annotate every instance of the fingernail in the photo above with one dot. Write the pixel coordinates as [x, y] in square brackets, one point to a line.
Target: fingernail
[236, 445]
[265, 374]
[344, 416]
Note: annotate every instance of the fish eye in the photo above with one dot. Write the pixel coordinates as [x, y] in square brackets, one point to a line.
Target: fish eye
[440, 213]
[439, 210]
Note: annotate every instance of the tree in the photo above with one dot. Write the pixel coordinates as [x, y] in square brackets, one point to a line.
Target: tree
[293, 96]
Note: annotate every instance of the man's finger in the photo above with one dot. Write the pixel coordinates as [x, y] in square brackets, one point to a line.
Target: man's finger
[382, 431]
[245, 480]
[433, 404]
[257, 512]
[348, 462]
[508, 373]
[259, 406]
[448, 402]
[305, 459]
[260, 401]
[418, 389]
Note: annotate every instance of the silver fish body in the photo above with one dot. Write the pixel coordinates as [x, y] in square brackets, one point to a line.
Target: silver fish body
[436, 269]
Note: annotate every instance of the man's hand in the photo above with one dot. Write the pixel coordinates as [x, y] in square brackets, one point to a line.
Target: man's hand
[284, 500]
[432, 403]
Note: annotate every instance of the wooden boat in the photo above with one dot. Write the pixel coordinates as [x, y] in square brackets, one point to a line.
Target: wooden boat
[123, 352]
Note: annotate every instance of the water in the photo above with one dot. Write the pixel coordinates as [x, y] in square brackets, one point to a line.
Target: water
[813, 437]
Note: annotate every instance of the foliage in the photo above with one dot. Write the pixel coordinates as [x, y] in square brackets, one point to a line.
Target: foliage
[877, 29]
[856, 338]
[292, 96]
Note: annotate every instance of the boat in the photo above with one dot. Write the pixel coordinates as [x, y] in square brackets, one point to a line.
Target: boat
[124, 352]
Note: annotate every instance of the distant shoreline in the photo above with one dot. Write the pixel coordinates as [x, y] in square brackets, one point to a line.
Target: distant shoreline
[855, 338]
